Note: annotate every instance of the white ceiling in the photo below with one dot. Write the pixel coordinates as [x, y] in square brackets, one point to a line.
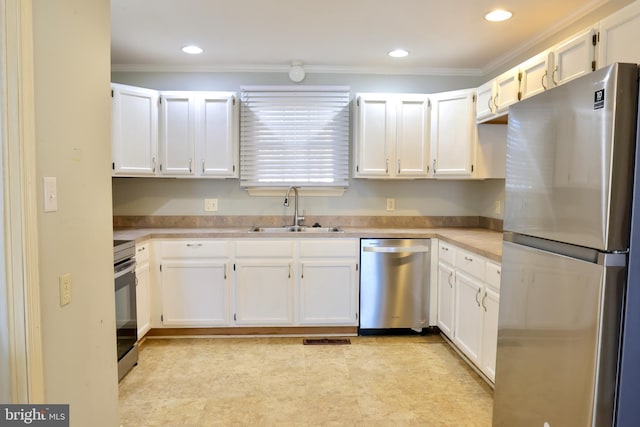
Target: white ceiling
[336, 35]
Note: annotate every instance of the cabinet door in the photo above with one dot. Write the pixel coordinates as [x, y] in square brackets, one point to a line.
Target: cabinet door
[177, 134]
[468, 316]
[134, 130]
[619, 35]
[217, 135]
[195, 293]
[490, 304]
[446, 294]
[574, 58]
[328, 293]
[412, 136]
[375, 120]
[535, 75]
[453, 133]
[264, 293]
[484, 105]
[507, 90]
[143, 299]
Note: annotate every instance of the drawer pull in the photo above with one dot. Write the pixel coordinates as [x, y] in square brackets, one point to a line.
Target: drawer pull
[468, 259]
[449, 280]
[444, 249]
[194, 245]
[483, 299]
[477, 295]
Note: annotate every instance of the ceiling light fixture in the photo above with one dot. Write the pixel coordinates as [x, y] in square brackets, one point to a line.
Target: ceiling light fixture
[192, 50]
[398, 53]
[498, 15]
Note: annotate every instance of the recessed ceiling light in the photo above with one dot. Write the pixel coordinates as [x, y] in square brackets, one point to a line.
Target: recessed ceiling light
[498, 15]
[193, 50]
[398, 53]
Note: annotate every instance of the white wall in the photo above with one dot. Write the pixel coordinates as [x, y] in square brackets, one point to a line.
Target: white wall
[162, 196]
[72, 109]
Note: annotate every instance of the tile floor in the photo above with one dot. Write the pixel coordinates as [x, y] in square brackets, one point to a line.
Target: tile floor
[374, 381]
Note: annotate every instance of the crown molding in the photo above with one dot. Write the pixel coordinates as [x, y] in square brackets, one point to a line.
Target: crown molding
[320, 69]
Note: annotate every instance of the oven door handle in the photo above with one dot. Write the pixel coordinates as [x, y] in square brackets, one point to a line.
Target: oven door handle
[125, 268]
[396, 249]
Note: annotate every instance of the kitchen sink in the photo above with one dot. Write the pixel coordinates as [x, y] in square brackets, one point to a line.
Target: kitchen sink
[292, 229]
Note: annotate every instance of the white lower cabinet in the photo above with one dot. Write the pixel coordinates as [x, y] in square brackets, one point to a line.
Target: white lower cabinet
[194, 283]
[143, 289]
[468, 300]
[328, 282]
[257, 282]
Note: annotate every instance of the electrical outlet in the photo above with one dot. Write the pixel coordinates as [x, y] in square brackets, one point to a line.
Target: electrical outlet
[210, 205]
[65, 289]
[498, 207]
[391, 204]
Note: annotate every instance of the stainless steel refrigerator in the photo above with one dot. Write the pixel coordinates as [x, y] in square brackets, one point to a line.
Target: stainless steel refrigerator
[568, 215]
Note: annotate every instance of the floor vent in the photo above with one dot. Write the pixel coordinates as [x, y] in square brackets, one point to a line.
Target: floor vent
[326, 341]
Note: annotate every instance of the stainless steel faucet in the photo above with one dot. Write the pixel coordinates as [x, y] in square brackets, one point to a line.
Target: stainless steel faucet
[296, 217]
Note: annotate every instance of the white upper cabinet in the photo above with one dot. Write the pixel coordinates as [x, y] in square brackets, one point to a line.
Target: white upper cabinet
[391, 135]
[199, 134]
[134, 130]
[507, 90]
[217, 134]
[485, 95]
[619, 35]
[177, 133]
[535, 74]
[574, 57]
[453, 133]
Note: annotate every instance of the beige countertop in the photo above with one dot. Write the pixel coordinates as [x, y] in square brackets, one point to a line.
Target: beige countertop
[484, 242]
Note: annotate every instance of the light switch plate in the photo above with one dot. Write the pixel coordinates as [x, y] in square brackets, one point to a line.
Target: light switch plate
[391, 204]
[65, 289]
[50, 194]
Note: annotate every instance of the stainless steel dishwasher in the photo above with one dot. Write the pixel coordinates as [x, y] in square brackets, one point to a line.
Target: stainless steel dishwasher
[394, 283]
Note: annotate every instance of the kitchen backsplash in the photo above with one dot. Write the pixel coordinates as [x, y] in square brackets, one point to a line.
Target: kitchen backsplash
[207, 221]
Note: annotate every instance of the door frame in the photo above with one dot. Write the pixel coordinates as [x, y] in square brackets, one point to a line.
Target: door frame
[21, 327]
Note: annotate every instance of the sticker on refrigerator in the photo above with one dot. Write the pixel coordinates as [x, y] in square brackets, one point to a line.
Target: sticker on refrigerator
[598, 100]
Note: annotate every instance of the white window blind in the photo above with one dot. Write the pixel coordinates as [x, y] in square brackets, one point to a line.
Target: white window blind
[294, 135]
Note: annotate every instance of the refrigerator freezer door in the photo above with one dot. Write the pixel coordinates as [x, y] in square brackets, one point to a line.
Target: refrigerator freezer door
[570, 160]
[557, 340]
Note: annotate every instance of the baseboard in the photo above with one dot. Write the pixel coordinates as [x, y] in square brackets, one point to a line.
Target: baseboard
[254, 331]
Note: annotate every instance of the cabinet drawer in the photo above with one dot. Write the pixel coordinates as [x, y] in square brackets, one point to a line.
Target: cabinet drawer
[195, 248]
[329, 248]
[142, 253]
[470, 263]
[492, 274]
[446, 253]
[264, 248]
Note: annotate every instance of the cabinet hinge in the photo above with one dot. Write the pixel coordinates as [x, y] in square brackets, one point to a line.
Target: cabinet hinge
[593, 65]
[113, 165]
[356, 316]
[471, 168]
[594, 39]
[520, 76]
[429, 103]
[162, 317]
[358, 102]
[234, 268]
[233, 168]
[112, 93]
[357, 168]
[159, 100]
[519, 96]
[357, 267]
[160, 167]
[234, 317]
[473, 98]
[234, 100]
[160, 267]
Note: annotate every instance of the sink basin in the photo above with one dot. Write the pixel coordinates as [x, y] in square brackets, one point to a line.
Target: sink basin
[292, 229]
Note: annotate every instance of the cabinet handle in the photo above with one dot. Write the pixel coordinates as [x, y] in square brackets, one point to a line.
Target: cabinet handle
[495, 101]
[203, 166]
[490, 103]
[542, 80]
[301, 270]
[553, 76]
[449, 280]
[153, 163]
[483, 304]
[477, 295]
[468, 259]
[386, 169]
[398, 166]
[289, 271]
[190, 161]
[194, 245]
[141, 249]
[444, 248]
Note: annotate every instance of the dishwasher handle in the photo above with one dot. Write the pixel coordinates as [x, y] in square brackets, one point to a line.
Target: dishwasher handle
[396, 249]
